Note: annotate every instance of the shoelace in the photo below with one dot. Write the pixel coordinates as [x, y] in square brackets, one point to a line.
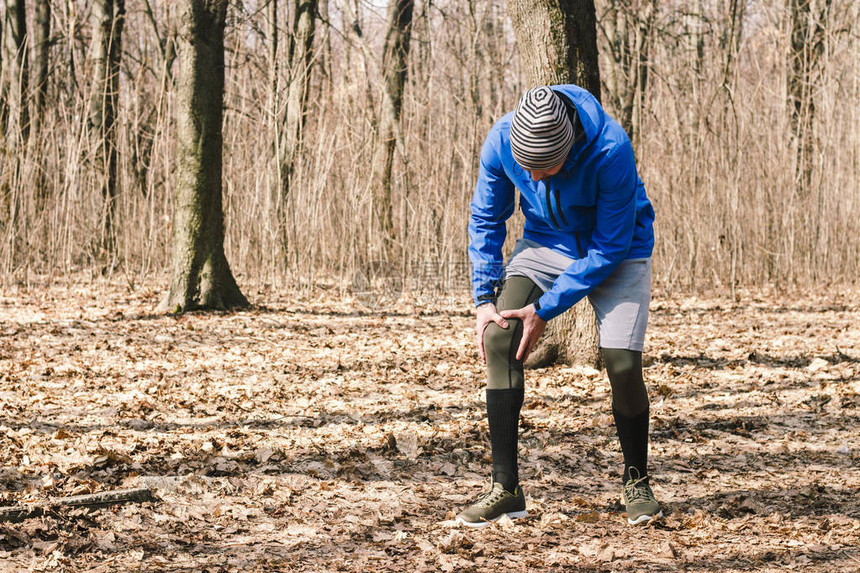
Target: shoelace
[634, 492]
[490, 497]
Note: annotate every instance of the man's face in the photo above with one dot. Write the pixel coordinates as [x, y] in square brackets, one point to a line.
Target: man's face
[544, 174]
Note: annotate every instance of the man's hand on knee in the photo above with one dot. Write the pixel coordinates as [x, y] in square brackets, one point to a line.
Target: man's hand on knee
[533, 327]
[486, 314]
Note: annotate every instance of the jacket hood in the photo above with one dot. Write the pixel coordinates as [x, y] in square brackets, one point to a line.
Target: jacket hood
[591, 116]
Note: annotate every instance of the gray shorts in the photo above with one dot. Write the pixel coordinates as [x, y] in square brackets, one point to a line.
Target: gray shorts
[620, 302]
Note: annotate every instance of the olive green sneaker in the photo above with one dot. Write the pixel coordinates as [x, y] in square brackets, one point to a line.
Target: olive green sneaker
[492, 505]
[639, 500]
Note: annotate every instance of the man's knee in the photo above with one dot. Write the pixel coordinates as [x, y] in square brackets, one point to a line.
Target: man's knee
[624, 366]
[498, 341]
[629, 397]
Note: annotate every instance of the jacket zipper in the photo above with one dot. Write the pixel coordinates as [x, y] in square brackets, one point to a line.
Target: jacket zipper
[549, 208]
[558, 204]
[561, 214]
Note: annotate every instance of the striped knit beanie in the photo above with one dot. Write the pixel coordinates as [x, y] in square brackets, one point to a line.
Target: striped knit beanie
[541, 132]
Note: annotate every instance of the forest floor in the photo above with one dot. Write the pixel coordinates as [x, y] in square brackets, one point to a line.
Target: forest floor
[311, 434]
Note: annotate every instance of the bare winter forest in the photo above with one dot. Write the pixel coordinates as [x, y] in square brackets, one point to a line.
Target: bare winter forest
[337, 422]
[745, 123]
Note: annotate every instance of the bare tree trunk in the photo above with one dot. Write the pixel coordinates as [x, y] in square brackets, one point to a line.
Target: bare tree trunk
[3, 84]
[732, 34]
[42, 46]
[643, 43]
[165, 42]
[145, 131]
[273, 65]
[18, 124]
[201, 276]
[807, 29]
[394, 69]
[21, 39]
[108, 20]
[5, 192]
[627, 25]
[557, 41]
[16, 114]
[300, 58]
[326, 63]
[72, 86]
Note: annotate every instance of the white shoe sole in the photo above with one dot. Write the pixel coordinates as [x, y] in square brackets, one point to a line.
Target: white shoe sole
[645, 518]
[480, 524]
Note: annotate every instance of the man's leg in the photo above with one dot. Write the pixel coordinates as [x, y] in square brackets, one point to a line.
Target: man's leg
[504, 401]
[621, 305]
[629, 407]
[631, 410]
[505, 380]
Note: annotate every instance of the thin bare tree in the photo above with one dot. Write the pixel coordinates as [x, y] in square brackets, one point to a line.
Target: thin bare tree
[3, 58]
[17, 40]
[14, 110]
[108, 20]
[144, 130]
[627, 27]
[326, 55]
[41, 55]
[300, 58]
[201, 275]
[808, 25]
[274, 37]
[394, 70]
[392, 74]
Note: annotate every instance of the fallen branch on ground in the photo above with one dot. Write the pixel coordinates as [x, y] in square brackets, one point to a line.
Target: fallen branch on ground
[18, 513]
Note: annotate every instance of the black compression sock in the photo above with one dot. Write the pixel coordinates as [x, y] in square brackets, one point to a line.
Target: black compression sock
[503, 415]
[633, 435]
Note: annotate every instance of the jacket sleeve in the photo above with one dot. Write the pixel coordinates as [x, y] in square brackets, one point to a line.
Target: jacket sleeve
[610, 241]
[492, 204]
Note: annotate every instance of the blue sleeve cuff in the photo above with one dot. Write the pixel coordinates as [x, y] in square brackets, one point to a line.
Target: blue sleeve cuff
[547, 313]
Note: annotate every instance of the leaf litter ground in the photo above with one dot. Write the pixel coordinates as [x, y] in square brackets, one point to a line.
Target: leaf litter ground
[311, 434]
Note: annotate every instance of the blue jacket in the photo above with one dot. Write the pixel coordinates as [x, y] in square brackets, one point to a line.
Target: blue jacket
[594, 210]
